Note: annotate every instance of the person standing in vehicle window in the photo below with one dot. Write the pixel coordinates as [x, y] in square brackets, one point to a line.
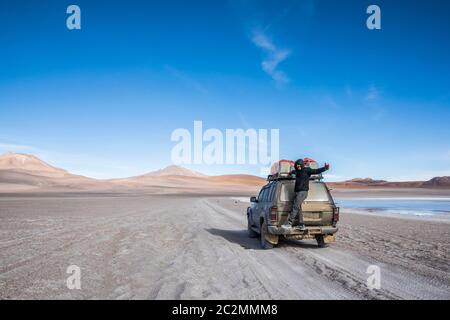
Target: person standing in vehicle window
[302, 175]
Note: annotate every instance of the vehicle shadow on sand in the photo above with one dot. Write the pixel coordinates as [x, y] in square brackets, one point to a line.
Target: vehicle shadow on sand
[241, 238]
[306, 244]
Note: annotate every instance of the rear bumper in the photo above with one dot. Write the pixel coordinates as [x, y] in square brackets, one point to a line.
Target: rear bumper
[309, 231]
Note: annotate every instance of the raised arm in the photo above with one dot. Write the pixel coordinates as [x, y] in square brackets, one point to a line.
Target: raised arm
[320, 170]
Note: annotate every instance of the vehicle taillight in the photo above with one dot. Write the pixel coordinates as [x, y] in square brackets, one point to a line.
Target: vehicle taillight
[273, 214]
[336, 214]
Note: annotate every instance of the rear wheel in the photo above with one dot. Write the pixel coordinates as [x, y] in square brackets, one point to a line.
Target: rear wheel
[321, 241]
[264, 243]
[251, 233]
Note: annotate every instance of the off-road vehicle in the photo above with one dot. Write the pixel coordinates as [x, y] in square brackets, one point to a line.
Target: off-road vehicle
[270, 210]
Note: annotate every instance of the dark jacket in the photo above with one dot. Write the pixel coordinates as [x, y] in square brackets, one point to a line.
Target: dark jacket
[302, 177]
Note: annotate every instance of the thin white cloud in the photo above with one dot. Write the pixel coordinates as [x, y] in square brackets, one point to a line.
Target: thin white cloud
[331, 102]
[274, 56]
[81, 164]
[187, 80]
[333, 177]
[421, 176]
[89, 165]
[16, 147]
[373, 93]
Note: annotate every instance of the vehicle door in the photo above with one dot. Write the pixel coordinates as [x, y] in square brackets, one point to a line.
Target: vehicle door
[267, 204]
[259, 205]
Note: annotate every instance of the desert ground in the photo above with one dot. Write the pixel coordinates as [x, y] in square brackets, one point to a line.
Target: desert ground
[196, 247]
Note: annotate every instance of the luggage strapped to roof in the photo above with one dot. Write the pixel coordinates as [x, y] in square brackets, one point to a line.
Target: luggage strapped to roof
[281, 169]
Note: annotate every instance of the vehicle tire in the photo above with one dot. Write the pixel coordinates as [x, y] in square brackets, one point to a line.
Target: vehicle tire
[251, 233]
[264, 243]
[321, 241]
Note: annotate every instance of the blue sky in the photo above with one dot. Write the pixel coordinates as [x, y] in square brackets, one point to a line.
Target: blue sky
[103, 101]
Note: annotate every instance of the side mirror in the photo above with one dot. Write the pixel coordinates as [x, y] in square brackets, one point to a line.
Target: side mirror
[253, 199]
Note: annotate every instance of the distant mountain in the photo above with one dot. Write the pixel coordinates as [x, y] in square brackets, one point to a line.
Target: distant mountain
[178, 179]
[28, 163]
[365, 180]
[437, 182]
[243, 179]
[174, 171]
[24, 172]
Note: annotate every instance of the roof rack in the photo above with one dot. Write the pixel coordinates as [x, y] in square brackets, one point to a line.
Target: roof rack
[318, 177]
[280, 177]
[281, 170]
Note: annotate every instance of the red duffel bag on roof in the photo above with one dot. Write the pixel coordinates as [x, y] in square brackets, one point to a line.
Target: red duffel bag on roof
[281, 167]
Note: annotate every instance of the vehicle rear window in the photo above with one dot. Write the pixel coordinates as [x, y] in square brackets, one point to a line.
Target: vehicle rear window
[287, 192]
[317, 192]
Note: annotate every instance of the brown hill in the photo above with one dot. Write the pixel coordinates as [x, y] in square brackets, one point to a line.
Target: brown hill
[176, 179]
[437, 182]
[26, 163]
[24, 172]
[174, 171]
[366, 181]
[361, 183]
